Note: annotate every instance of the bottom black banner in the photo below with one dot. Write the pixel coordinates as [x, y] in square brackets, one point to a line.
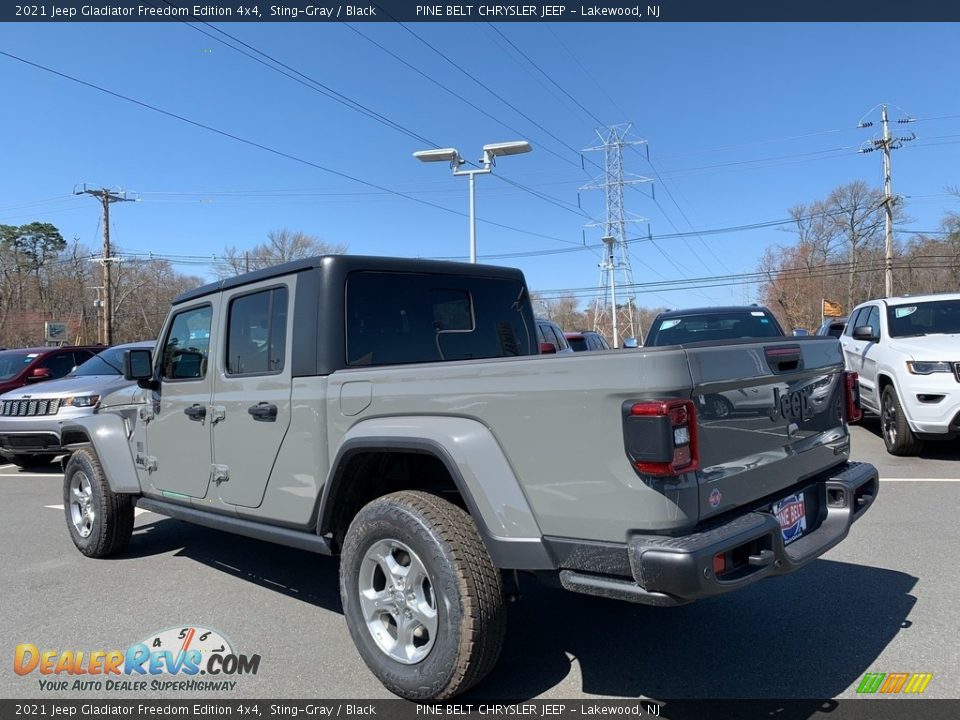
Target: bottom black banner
[854, 709]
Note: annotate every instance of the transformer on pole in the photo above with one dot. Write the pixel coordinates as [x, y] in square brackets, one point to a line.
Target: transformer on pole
[615, 271]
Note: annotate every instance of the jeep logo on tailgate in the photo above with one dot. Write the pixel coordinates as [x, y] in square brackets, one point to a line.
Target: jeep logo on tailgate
[794, 405]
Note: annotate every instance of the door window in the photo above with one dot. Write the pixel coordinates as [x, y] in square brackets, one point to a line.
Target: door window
[59, 364]
[857, 319]
[873, 320]
[257, 337]
[187, 345]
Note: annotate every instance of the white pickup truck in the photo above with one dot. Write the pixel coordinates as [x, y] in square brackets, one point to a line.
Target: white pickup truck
[907, 353]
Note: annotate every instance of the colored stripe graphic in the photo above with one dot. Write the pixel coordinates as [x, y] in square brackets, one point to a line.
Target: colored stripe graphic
[918, 682]
[893, 683]
[871, 682]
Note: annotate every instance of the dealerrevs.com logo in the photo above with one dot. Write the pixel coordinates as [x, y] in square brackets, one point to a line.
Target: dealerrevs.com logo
[184, 653]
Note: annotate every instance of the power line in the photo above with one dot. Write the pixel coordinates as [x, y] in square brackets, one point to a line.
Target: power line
[350, 102]
[557, 85]
[266, 148]
[586, 72]
[498, 96]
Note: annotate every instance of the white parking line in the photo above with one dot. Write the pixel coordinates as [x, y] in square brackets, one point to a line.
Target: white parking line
[23, 474]
[886, 479]
[136, 511]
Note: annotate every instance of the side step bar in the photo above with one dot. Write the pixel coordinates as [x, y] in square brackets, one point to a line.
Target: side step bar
[282, 536]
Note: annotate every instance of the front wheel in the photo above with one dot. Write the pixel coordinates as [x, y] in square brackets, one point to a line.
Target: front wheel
[100, 521]
[422, 599]
[897, 435]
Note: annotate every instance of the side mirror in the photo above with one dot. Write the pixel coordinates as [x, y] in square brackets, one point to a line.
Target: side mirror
[40, 373]
[630, 342]
[865, 332]
[138, 365]
[548, 348]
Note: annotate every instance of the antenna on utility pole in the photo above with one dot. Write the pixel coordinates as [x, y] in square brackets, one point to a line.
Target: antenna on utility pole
[616, 270]
[106, 197]
[886, 144]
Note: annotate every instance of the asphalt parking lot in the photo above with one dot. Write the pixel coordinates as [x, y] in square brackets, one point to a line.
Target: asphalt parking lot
[883, 601]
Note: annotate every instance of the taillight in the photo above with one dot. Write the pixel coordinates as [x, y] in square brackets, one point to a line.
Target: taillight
[852, 395]
[660, 436]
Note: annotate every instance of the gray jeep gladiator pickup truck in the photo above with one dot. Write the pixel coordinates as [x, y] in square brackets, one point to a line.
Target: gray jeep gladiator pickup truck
[397, 413]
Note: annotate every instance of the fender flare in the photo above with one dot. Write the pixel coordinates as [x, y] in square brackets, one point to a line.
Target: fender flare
[477, 465]
[107, 434]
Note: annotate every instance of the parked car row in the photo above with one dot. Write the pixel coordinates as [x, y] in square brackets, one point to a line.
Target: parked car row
[56, 384]
[553, 339]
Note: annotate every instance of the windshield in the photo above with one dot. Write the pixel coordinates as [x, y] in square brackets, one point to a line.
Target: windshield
[925, 318]
[109, 362]
[12, 362]
[712, 326]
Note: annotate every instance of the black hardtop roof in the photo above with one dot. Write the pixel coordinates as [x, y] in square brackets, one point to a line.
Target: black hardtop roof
[715, 310]
[351, 263]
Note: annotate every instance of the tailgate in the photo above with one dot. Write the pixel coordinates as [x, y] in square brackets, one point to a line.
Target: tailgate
[770, 414]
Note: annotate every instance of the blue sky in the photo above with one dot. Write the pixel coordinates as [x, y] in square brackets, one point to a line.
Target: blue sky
[743, 122]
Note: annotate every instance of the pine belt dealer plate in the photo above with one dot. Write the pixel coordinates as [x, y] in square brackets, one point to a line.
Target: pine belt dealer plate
[791, 512]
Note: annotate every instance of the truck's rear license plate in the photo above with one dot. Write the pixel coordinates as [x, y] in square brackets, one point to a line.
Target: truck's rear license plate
[792, 515]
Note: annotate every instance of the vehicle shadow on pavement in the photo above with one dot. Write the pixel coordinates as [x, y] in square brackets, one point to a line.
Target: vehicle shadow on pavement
[931, 449]
[271, 566]
[40, 469]
[807, 635]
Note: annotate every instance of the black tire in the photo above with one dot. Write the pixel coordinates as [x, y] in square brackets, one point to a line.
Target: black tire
[109, 527]
[467, 591]
[897, 435]
[717, 407]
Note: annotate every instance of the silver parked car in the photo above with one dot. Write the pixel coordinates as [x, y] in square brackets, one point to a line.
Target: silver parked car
[31, 416]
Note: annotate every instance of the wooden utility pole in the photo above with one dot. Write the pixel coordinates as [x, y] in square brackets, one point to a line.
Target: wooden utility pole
[885, 144]
[106, 197]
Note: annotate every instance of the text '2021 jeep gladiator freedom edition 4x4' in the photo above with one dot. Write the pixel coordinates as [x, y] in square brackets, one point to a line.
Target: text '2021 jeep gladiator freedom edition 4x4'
[396, 413]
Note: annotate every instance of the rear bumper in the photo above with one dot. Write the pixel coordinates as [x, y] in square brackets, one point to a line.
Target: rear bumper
[676, 570]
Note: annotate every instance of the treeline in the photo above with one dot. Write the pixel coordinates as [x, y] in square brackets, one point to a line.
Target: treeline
[44, 278]
[839, 255]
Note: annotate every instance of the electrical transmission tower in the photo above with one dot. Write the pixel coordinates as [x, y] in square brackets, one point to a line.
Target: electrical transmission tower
[615, 270]
[106, 260]
[886, 143]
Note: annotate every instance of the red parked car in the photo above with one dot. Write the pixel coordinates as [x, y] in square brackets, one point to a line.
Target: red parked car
[30, 365]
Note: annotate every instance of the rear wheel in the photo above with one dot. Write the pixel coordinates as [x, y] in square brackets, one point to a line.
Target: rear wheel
[422, 599]
[897, 435]
[100, 521]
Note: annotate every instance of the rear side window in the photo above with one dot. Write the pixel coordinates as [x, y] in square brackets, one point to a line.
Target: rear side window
[257, 338]
[187, 345]
[395, 318]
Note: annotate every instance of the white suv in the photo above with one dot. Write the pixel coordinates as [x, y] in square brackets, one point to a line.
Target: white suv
[907, 352]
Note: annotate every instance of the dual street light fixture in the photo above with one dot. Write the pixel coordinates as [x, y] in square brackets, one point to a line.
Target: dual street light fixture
[490, 154]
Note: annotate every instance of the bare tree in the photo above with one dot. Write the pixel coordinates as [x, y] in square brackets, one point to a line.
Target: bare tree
[281, 246]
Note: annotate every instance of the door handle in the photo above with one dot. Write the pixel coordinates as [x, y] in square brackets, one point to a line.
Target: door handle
[196, 412]
[263, 412]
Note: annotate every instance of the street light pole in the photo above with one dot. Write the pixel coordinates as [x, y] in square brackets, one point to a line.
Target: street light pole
[473, 217]
[490, 154]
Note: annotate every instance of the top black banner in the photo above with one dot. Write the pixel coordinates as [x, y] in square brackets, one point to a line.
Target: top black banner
[626, 11]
